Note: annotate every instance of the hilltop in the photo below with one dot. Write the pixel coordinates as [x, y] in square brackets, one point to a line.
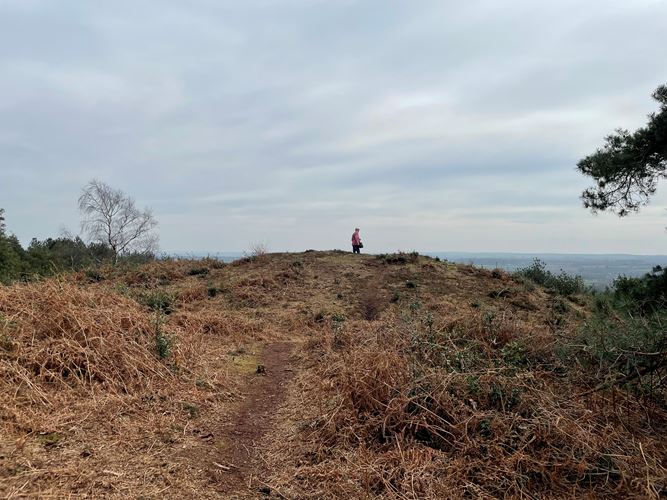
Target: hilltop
[315, 374]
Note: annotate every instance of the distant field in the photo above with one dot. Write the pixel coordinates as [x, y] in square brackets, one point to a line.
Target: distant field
[597, 270]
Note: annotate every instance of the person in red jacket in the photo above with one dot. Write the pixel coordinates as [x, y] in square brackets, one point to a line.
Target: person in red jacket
[357, 245]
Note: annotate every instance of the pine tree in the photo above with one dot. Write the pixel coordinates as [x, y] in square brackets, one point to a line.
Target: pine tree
[628, 167]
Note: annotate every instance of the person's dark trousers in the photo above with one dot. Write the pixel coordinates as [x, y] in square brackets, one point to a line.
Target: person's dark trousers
[355, 249]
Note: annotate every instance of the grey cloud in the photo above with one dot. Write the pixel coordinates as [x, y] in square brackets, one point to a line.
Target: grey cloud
[283, 117]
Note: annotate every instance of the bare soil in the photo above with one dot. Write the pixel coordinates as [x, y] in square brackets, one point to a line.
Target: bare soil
[240, 466]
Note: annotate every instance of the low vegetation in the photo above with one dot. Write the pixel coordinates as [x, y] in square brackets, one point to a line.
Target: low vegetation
[624, 340]
[412, 379]
[561, 283]
[435, 400]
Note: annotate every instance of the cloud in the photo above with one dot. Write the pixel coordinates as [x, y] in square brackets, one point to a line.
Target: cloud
[454, 125]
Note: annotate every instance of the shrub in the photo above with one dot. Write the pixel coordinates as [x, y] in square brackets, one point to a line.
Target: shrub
[337, 318]
[191, 409]
[645, 294]
[398, 258]
[94, 275]
[514, 353]
[67, 336]
[162, 345]
[213, 263]
[562, 283]
[159, 301]
[258, 249]
[465, 393]
[214, 291]
[163, 341]
[566, 284]
[199, 271]
[625, 349]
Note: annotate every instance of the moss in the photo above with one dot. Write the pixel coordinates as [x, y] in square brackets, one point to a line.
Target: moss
[49, 439]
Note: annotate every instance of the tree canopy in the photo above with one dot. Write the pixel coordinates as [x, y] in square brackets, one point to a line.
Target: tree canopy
[627, 168]
[53, 255]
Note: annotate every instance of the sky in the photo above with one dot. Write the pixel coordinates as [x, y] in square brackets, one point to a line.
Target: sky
[431, 125]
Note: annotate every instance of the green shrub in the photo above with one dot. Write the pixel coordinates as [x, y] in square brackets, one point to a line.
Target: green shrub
[163, 341]
[191, 409]
[514, 353]
[562, 283]
[398, 258]
[199, 271]
[213, 263]
[94, 275]
[159, 301]
[566, 284]
[625, 349]
[645, 294]
[338, 318]
[536, 272]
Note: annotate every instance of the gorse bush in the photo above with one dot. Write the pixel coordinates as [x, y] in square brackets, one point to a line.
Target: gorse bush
[536, 272]
[158, 300]
[163, 344]
[199, 271]
[624, 343]
[398, 258]
[562, 283]
[163, 341]
[646, 294]
[624, 349]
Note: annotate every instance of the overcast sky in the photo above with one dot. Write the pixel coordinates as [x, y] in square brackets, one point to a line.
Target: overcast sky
[432, 125]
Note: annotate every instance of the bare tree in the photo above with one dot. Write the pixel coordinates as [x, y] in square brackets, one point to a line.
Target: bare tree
[2, 221]
[110, 217]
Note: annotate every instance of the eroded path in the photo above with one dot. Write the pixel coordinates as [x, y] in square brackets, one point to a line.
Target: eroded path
[240, 468]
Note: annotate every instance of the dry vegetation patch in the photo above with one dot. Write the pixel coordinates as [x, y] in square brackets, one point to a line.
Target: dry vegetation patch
[445, 396]
[118, 386]
[418, 379]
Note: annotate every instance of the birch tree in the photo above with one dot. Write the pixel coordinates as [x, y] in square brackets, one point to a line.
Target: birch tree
[110, 217]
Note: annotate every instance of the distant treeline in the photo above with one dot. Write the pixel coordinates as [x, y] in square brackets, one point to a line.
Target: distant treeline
[52, 255]
[46, 257]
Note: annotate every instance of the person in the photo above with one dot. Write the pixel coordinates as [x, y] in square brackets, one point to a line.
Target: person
[357, 245]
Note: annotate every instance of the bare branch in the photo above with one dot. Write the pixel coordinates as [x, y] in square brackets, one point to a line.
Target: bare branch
[111, 218]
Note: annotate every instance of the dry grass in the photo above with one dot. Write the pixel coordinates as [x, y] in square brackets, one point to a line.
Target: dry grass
[58, 334]
[449, 401]
[89, 408]
[397, 418]
[450, 387]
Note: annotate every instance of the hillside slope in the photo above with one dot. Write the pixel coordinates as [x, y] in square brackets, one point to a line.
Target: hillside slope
[320, 374]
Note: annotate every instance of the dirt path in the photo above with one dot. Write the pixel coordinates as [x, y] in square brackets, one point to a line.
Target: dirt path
[240, 471]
